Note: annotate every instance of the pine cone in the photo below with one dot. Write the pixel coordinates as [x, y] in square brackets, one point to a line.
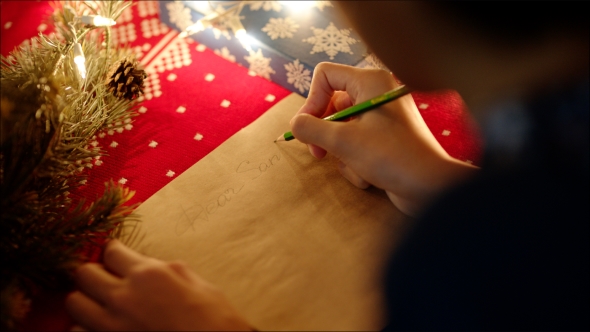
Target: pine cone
[125, 79]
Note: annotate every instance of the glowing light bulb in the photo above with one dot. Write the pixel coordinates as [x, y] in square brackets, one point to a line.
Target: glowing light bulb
[97, 20]
[80, 60]
[241, 34]
[245, 39]
[199, 26]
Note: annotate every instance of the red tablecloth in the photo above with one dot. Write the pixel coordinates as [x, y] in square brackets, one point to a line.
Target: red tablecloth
[194, 101]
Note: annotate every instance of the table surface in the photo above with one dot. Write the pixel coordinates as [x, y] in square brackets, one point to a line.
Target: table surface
[194, 100]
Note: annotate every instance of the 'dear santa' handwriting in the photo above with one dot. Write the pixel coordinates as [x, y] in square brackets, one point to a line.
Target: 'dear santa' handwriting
[257, 170]
[198, 211]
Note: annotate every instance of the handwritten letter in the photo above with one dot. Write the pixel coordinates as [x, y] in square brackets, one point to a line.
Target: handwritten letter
[292, 244]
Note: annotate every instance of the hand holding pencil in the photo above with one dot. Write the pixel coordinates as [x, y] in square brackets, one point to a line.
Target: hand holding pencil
[389, 147]
[358, 109]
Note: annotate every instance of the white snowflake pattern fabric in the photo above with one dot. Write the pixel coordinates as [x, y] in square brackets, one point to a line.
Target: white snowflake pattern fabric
[259, 64]
[298, 76]
[280, 28]
[222, 25]
[179, 14]
[331, 40]
[265, 5]
[224, 53]
[374, 62]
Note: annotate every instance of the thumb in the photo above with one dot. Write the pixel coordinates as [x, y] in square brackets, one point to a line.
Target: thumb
[328, 135]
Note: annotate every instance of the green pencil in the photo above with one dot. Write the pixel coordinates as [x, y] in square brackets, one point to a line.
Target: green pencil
[358, 108]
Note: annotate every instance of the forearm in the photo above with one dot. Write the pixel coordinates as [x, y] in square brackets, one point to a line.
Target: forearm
[431, 179]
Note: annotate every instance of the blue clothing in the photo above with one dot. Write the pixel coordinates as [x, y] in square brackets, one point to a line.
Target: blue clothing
[510, 249]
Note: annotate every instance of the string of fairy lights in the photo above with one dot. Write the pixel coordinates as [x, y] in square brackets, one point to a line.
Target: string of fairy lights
[227, 13]
[92, 20]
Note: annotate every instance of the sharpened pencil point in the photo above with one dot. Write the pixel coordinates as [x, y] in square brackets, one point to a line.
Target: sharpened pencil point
[280, 138]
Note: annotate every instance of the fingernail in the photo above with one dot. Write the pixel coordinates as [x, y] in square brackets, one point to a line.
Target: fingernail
[311, 150]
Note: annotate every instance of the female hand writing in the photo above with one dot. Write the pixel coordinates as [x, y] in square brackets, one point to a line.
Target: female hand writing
[390, 147]
[134, 292]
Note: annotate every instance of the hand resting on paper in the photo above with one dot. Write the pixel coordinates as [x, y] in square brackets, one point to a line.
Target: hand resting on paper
[390, 147]
[134, 292]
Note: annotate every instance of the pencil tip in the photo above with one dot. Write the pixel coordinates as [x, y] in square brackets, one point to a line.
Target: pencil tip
[280, 138]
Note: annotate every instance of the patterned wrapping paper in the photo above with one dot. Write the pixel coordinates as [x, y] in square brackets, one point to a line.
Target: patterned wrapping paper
[286, 43]
[194, 100]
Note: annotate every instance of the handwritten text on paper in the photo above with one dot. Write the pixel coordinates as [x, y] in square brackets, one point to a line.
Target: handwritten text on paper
[203, 211]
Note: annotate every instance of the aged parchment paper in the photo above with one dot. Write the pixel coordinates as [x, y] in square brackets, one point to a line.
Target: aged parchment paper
[292, 244]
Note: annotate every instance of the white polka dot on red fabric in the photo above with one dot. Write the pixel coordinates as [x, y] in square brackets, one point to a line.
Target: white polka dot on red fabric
[225, 103]
[446, 132]
[270, 98]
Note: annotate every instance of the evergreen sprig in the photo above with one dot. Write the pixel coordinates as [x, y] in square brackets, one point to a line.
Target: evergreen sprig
[50, 115]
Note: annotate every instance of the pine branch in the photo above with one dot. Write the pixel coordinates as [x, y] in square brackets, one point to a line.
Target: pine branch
[49, 117]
